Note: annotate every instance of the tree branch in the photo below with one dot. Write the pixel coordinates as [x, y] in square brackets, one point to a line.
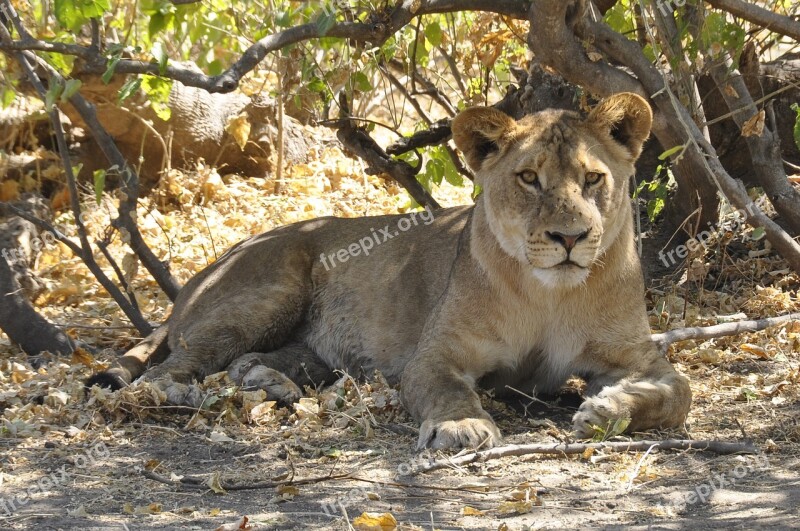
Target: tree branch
[228, 81]
[664, 339]
[699, 152]
[761, 17]
[361, 144]
[516, 450]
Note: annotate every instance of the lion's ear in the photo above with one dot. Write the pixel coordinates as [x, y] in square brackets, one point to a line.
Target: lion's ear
[627, 117]
[481, 131]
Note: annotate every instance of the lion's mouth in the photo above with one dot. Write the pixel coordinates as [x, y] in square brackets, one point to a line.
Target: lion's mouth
[568, 266]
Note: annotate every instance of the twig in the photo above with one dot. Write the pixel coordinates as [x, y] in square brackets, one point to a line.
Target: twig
[663, 340]
[200, 482]
[515, 450]
[358, 141]
[130, 181]
[228, 81]
[758, 15]
[24, 59]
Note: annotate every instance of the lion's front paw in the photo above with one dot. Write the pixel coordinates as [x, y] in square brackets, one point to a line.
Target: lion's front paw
[597, 411]
[464, 433]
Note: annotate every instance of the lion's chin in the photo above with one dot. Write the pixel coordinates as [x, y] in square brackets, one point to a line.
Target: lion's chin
[562, 275]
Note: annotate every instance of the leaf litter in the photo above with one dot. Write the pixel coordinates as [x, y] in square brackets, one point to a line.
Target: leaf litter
[744, 386]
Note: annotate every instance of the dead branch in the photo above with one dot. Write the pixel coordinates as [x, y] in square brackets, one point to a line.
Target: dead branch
[86, 255]
[358, 141]
[375, 33]
[199, 482]
[516, 450]
[759, 16]
[435, 135]
[19, 320]
[126, 221]
[664, 339]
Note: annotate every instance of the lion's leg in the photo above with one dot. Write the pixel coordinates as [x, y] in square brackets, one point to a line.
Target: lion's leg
[207, 339]
[445, 402]
[281, 373]
[651, 393]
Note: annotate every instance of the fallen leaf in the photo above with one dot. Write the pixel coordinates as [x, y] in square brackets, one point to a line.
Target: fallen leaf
[515, 507]
[153, 508]
[471, 511]
[219, 437]
[242, 524]
[81, 356]
[755, 350]
[214, 484]
[375, 522]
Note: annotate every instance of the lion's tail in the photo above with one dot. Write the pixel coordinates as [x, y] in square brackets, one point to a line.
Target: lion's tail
[152, 350]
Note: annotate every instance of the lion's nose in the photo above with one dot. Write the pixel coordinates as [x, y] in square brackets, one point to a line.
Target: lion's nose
[568, 241]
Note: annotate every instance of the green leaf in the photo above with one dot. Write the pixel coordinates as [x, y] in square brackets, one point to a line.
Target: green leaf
[796, 108]
[94, 8]
[112, 64]
[68, 14]
[70, 88]
[52, 95]
[159, 53]
[360, 82]
[476, 191]
[451, 174]
[99, 184]
[130, 88]
[157, 90]
[758, 233]
[671, 151]
[7, 97]
[434, 170]
[325, 22]
[654, 208]
[433, 32]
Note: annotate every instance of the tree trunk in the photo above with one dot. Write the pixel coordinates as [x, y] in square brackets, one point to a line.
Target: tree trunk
[32, 332]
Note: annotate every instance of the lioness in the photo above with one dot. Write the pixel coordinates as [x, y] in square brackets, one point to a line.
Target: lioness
[539, 280]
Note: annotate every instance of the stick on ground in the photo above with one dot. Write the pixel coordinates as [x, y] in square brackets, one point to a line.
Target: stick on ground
[719, 447]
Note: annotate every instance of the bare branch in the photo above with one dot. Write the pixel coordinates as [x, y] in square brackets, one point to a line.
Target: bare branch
[664, 339]
[761, 17]
[515, 450]
[360, 143]
[374, 33]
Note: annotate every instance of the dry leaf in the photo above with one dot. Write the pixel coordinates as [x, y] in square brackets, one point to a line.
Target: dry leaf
[153, 508]
[284, 490]
[239, 128]
[219, 437]
[755, 125]
[242, 525]
[471, 511]
[79, 355]
[9, 191]
[755, 350]
[214, 484]
[515, 507]
[375, 522]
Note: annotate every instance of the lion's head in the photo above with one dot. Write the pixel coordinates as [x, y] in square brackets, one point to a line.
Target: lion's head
[554, 184]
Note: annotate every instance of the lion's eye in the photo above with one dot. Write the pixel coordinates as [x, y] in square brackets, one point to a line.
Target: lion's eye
[593, 177]
[529, 178]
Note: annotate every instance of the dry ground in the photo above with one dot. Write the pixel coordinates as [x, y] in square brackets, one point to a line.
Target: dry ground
[72, 462]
